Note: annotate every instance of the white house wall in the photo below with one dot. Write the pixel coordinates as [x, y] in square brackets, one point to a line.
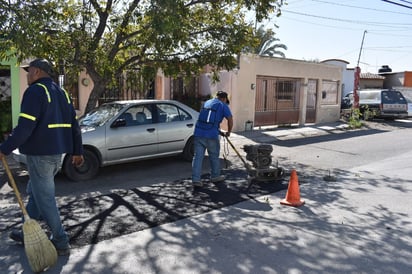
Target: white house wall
[348, 75]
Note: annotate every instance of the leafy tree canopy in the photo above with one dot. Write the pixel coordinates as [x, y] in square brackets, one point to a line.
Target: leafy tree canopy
[111, 36]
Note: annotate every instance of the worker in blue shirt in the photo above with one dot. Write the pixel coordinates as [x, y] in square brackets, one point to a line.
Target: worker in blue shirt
[206, 137]
[46, 129]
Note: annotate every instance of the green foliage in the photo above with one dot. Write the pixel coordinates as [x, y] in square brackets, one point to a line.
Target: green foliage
[368, 113]
[109, 37]
[355, 119]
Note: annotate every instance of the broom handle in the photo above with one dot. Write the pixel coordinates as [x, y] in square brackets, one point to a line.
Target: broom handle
[14, 186]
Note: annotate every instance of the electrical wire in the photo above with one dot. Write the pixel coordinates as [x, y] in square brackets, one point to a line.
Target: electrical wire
[358, 7]
[348, 20]
[399, 4]
[382, 28]
[357, 22]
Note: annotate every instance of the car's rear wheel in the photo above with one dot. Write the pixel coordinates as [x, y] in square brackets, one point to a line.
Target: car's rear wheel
[189, 150]
[87, 171]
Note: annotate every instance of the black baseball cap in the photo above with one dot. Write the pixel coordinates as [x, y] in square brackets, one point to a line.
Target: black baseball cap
[40, 63]
[222, 94]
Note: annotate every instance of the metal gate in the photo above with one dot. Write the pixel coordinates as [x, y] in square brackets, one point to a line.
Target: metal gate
[129, 86]
[277, 101]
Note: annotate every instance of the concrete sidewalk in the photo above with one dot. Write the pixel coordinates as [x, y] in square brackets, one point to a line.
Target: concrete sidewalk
[346, 226]
[339, 230]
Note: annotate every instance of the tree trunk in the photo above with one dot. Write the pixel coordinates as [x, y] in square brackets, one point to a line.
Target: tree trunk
[97, 91]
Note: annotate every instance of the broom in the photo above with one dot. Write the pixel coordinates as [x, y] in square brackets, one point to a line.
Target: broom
[40, 251]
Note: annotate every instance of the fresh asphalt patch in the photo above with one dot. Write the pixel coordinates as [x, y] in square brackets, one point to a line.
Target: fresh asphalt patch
[93, 219]
[124, 211]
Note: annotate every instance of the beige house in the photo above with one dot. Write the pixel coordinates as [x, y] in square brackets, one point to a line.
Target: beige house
[263, 91]
[271, 91]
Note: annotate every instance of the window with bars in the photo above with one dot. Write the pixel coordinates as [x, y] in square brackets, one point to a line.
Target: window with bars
[285, 89]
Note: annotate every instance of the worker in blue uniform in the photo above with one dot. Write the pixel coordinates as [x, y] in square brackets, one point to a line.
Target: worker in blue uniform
[206, 137]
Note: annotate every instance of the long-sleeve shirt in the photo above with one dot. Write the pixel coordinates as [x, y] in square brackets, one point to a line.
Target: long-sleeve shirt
[47, 122]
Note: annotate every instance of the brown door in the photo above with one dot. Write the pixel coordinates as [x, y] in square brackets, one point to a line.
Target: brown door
[277, 101]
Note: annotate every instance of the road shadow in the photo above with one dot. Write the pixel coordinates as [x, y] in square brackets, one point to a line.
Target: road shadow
[91, 220]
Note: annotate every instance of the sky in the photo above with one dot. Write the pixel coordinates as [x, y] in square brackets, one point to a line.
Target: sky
[330, 29]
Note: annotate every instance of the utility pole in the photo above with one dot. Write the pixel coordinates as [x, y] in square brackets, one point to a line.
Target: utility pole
[357, 77]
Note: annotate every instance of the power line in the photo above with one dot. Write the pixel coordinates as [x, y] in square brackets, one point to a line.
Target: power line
[358, 7]
[399, 4]
[348, 20]
[406, 1]
[318, 24]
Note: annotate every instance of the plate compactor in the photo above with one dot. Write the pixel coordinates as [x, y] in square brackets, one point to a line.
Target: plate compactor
[261, 158]
[262, 168]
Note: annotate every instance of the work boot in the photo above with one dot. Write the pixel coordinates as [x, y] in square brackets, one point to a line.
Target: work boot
[63, 251]
[197, 184]
[17, 236]
[218, 179]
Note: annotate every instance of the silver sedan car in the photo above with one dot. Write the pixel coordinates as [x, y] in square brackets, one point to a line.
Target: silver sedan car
[126, 131]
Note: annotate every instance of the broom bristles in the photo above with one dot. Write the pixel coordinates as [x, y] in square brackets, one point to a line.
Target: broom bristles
[40, 251]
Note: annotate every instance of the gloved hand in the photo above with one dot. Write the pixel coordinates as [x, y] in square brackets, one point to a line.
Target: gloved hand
[224, 133]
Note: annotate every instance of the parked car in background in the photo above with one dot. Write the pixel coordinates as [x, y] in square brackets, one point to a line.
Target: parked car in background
[379, 103]
[383, 103]
[126, 131]
[347, 101]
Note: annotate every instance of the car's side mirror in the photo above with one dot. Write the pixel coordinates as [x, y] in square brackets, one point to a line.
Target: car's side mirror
[118, 123]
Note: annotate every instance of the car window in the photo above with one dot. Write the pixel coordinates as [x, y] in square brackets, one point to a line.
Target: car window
[99, 116]
[368, 95]
[167, 113]
[392, 97]
[137, 115]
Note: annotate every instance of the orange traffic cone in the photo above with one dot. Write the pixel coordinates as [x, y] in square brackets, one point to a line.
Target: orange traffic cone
[293, 195]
